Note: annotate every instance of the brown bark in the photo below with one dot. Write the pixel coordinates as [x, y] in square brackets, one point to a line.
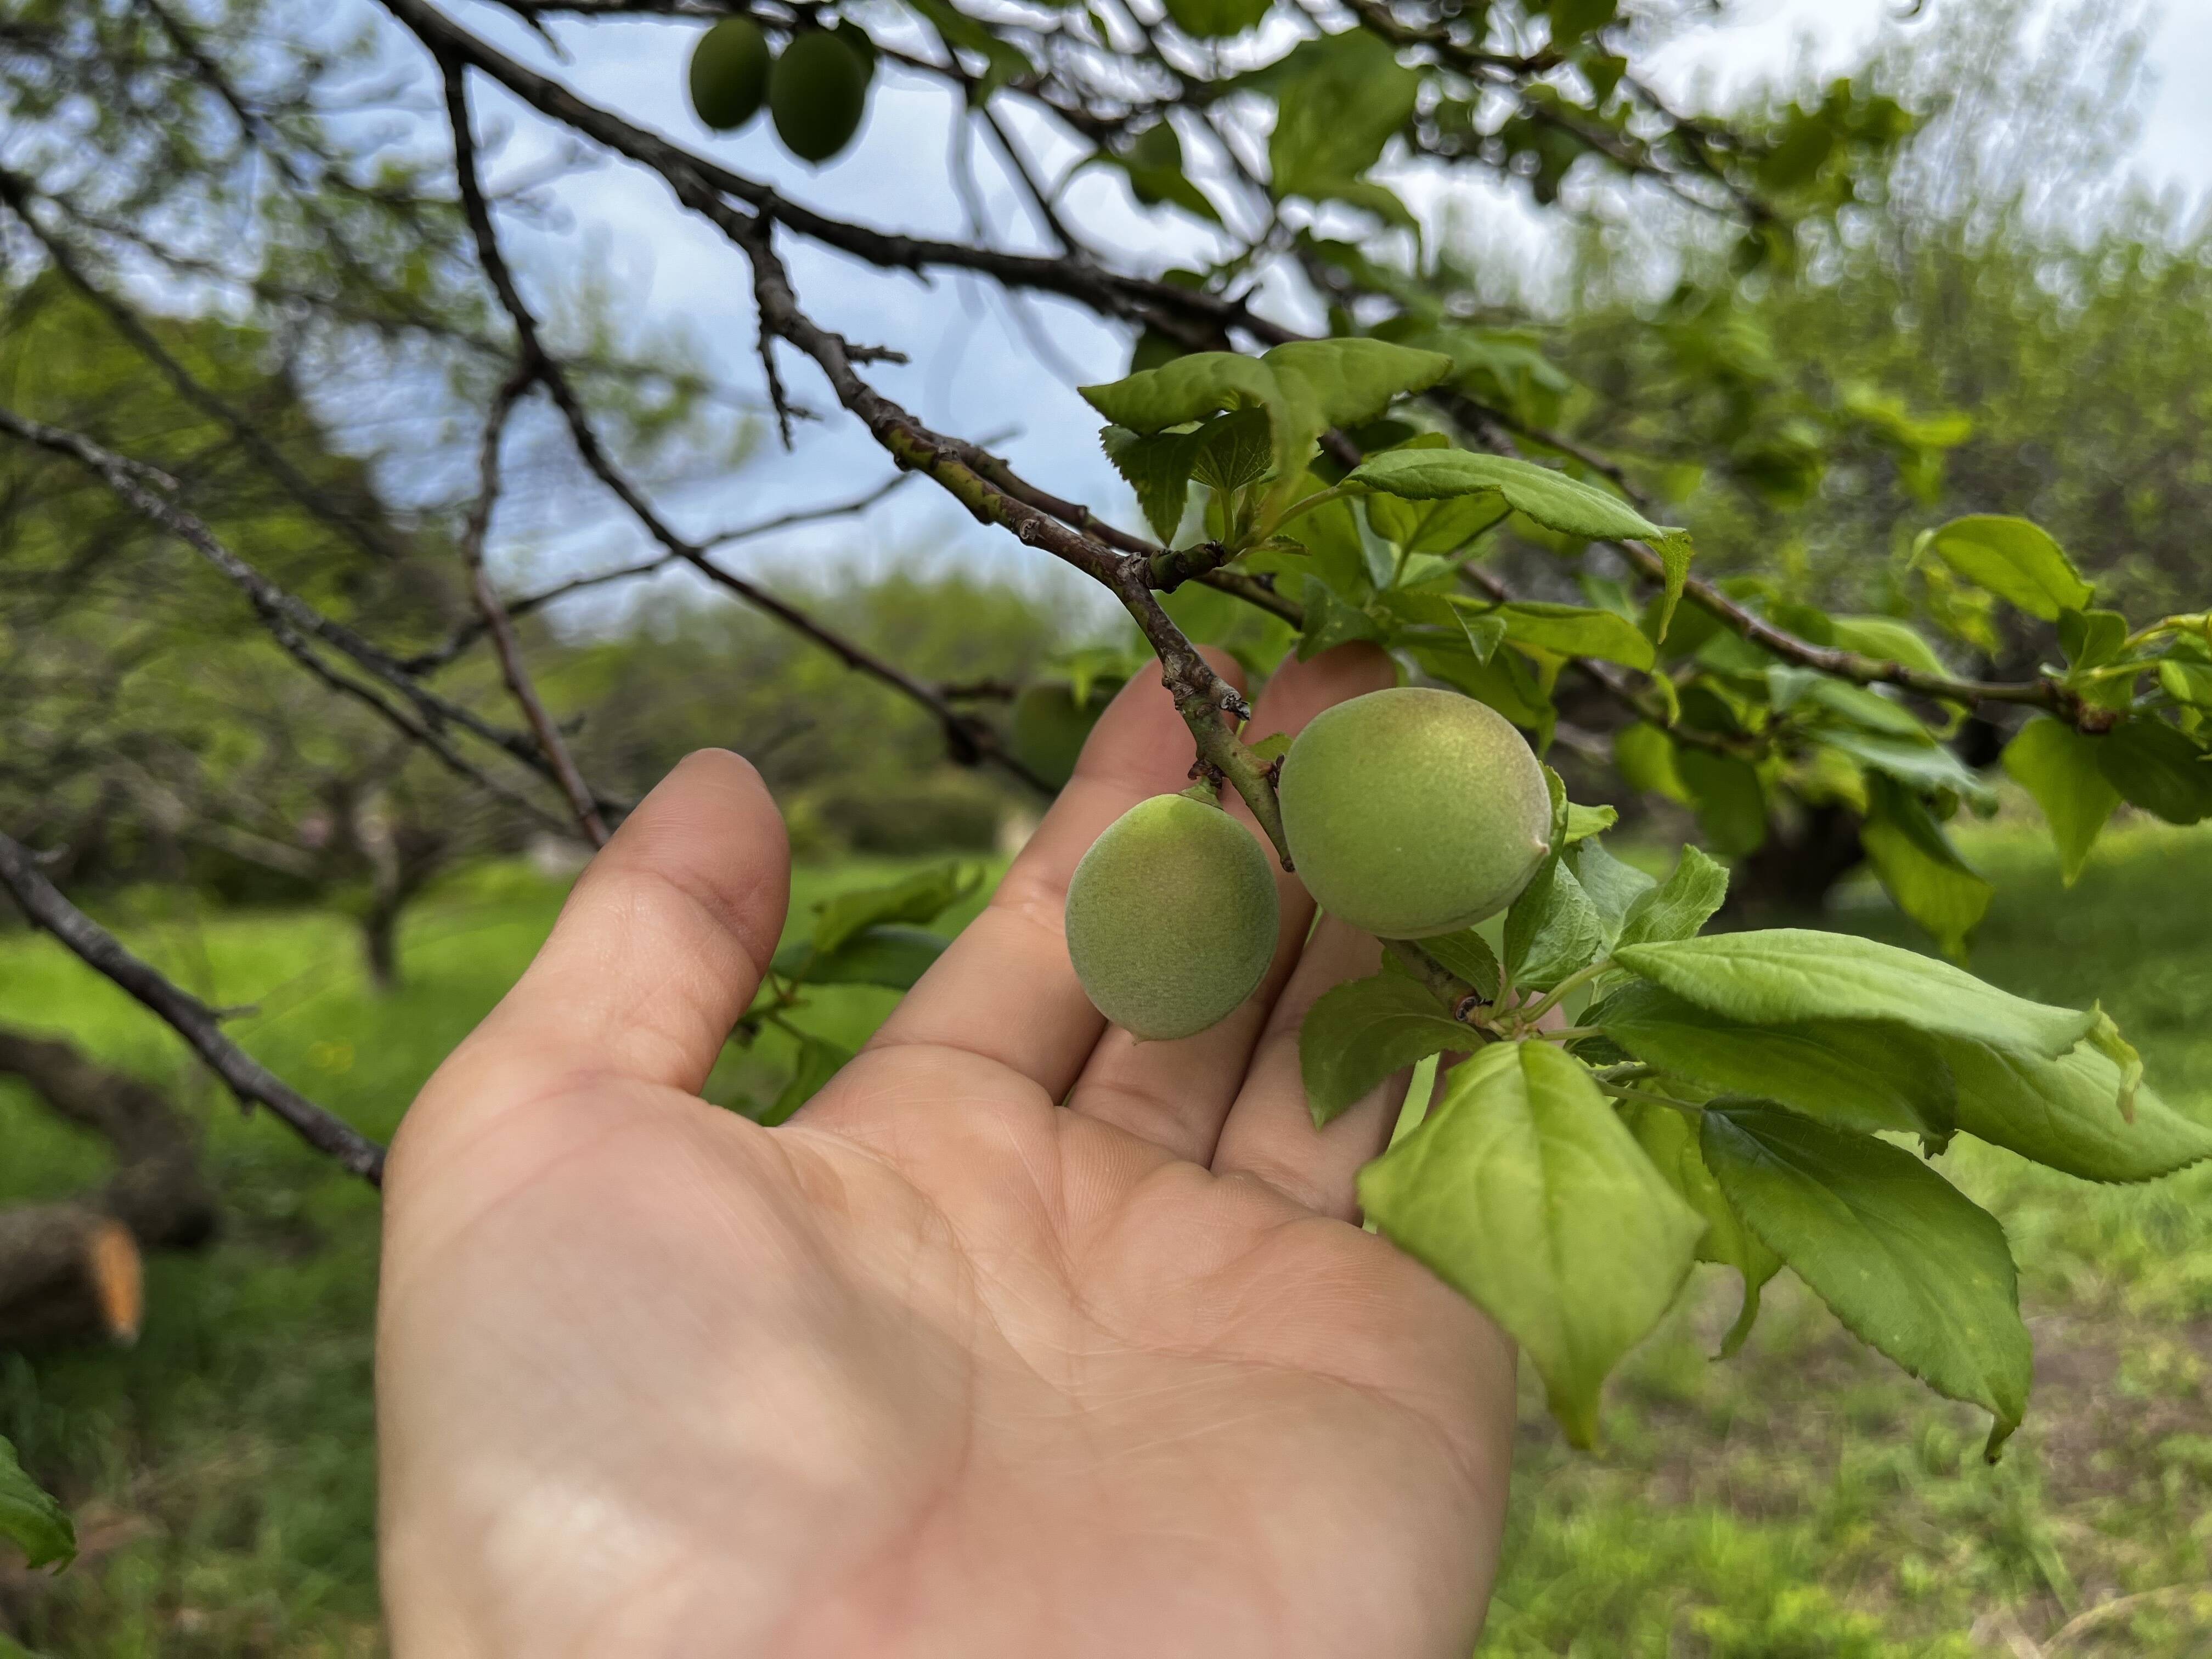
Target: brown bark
[71, 1269]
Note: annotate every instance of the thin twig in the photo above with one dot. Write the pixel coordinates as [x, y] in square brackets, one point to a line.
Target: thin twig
[504, 645]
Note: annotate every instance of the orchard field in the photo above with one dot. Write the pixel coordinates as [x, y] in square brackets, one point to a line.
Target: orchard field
[1805, 1499]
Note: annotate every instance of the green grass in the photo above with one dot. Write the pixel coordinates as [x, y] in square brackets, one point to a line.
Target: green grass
[1802, 1500]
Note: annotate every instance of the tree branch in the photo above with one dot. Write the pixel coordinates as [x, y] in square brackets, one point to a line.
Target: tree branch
[253, 1083]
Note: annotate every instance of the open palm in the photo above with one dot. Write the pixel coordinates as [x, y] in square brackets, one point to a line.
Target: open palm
[1021, 1339]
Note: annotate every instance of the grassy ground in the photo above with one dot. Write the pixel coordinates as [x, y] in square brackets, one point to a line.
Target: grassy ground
[1803, 1499]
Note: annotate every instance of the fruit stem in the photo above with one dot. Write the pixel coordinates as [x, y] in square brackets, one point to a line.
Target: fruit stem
[1574, 981]
[1447, 985]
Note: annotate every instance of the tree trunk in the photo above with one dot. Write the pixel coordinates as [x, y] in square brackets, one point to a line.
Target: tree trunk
[71, 1269]
[380, 944]
[1791, 874]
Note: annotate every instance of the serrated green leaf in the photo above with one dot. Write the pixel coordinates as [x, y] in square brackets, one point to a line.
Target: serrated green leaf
[1669, 1139]
[1232, 450]
[1157, 466]
[2065, 1113]
[1552, 929]
[1330, 622]
[1358, 1034]
[921, 897]
[2091, 639]
[1678, 906]
[818, 1062]
[1571, 630]
[30, 1518]
[1911, 1265]
[1613, 888]
[2157, 769]
[2017, 561]
[1467, 956]
[1352, 380]
[1781, 975]
[1583, 821]
[1921, 765]
[1550, 498]
[1887, 639]
[2059, 766]
[892, 955]
[1920, 869]
[1860, 705]
[1524, 1191]
[1855, 1075]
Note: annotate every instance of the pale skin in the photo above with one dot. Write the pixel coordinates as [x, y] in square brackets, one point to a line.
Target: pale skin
[1021, 1339]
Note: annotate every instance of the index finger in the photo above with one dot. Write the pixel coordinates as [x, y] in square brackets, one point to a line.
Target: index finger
[657, 951]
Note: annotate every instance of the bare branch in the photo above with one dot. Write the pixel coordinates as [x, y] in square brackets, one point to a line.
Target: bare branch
[504, 645]
[253, 1083]
[291, 620]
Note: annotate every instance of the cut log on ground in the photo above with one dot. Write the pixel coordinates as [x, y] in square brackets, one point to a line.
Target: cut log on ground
[72, 1270]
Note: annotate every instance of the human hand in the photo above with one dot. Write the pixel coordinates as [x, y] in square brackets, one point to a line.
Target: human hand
[944, 1366]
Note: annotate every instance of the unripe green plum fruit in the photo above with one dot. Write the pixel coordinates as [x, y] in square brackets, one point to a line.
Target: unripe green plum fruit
[729, 73]
[1050, 728]
[1412, 812]
[1172, 917]
[817, 94]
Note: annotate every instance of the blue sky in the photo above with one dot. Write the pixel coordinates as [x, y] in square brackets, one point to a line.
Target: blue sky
[977, 368]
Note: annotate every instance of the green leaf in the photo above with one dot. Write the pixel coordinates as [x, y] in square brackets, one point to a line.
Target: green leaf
[1583, 821]
[1153, 163]
[1158, 467]
[1909, 1265]
[1467, 956]
[1524, 1191]
[30, 1518]
[1358, 1034]
[1921, 764]
[2065, 1113]
[1681, 905]
[1855, 1075]
[1645, 757]
[2157, 768]
[922, 897]
[2017, 561]
[2186, 682]
[1613, 888]
[2059, 767]
[1785, 975]
[1550, 498]
[1233, 450]
[1919, 868]
[1669, 1139]
[1571, 630]
[889, 954]
[1216, 20]
[1330, 621]
[2091, 639]
[1338, 99]
[1352, 380]
[1887, 639]
[1305, 386]
[818, 1062]
[1553, 928]
[1858, 704]
[1726, 794]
